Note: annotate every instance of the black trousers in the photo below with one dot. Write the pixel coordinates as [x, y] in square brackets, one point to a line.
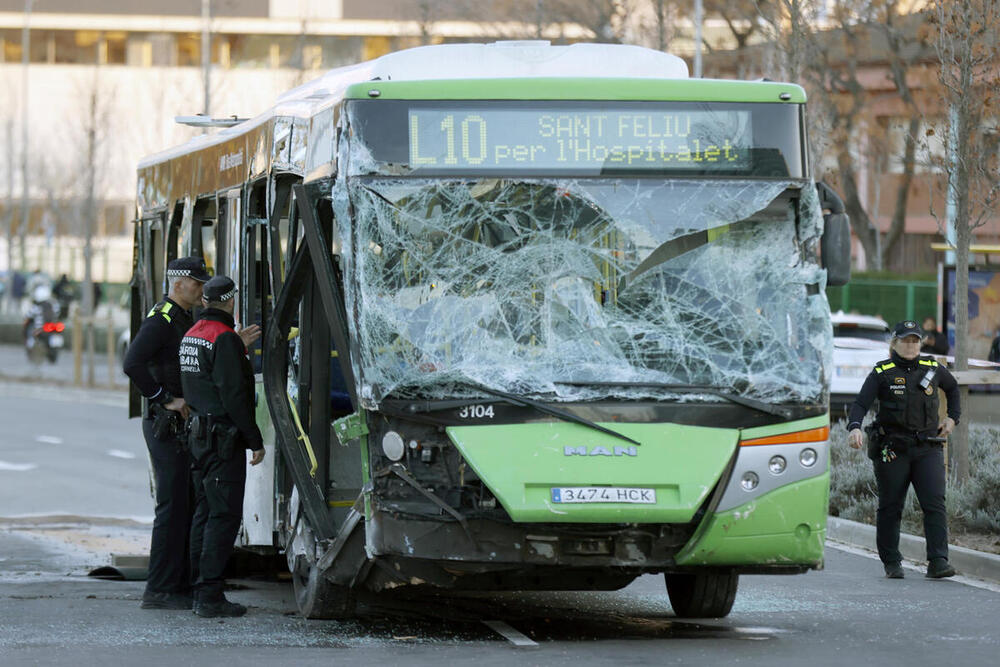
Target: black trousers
[168, 548]
[219, 487]
[923, 466]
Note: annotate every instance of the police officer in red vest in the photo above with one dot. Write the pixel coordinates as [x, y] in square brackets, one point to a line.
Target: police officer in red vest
[218, 384]
[905, 445]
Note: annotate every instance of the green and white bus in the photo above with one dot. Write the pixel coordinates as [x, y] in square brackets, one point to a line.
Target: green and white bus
[535, 317]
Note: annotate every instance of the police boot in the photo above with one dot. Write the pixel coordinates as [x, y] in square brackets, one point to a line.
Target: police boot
[217, 608]
[152, 600]
[893, 570]
[938, 568]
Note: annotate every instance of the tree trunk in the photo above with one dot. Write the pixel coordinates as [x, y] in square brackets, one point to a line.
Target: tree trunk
[88, 234]
[898, 223]
[963, 238]
[860, 222]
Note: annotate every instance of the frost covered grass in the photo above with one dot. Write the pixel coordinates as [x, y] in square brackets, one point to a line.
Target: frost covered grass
[973, 507]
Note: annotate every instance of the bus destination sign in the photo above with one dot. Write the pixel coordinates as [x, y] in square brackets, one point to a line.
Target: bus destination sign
[580, 140]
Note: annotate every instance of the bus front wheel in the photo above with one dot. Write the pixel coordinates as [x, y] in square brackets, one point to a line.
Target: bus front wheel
[317, 597]
[702, 595]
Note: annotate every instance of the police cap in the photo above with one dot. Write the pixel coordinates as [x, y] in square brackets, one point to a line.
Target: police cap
[188, 267]
[907, 328]
[219, 288]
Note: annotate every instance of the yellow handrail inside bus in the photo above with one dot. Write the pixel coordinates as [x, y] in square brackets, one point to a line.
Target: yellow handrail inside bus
[304, 438]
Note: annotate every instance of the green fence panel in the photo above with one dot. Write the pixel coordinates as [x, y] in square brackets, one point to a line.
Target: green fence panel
[892, 300]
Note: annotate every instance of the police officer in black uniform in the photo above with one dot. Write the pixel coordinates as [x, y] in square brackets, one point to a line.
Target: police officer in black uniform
[905, 444]
[218, 382]
[151, 363]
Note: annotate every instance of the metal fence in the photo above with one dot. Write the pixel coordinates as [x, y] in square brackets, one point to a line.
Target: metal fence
[892, 300]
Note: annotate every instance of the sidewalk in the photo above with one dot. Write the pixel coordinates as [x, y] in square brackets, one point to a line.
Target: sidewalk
[968, 562]
[15, 366]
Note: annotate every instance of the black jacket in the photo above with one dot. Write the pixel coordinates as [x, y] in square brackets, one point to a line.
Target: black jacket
[903, 404]
[151, 361]
[217, 376]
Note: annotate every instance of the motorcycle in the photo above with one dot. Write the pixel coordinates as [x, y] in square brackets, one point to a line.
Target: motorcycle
[43, 331]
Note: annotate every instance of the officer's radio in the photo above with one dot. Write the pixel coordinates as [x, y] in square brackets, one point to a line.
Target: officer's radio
[928, 378]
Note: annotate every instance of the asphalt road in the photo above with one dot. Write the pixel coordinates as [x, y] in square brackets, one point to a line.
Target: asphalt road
[72, 452]
[846, 614]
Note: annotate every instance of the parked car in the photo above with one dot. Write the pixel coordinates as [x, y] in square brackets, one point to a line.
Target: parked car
[859, 341]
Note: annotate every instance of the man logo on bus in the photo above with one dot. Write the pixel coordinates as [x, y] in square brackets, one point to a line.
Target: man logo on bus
[599, 451]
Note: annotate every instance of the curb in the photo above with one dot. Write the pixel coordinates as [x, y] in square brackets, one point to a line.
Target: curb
[968, 562]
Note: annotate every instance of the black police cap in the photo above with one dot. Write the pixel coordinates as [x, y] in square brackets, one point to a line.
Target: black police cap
[189, 267]
[907, 328]
[219, 288]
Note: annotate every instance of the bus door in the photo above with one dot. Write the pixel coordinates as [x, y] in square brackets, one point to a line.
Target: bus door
[149, 263]
[253, 307]
[228, 237]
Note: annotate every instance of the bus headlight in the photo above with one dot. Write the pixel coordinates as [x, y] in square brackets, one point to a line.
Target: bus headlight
[777, 464]
[807, 457]
[392, 446]
[749, 481]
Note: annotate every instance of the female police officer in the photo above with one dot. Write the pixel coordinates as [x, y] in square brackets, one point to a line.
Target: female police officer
[905, 445]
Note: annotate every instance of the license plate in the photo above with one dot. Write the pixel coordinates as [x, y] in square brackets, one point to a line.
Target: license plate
[55, 340]
[852, 371]
[603, 494]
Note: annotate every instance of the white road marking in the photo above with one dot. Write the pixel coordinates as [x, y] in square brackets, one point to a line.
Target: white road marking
[17, 467]
[968, 581]
[513, 636]
[49, 439]
[117, 453]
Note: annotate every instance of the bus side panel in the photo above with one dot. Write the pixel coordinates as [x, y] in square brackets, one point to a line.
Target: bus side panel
[258, 504]
[784, 527]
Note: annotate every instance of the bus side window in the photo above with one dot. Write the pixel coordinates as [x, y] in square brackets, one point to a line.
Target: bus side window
[174, 231]
[283, 254]
[256, 279]
[154, 260]
[203, 240]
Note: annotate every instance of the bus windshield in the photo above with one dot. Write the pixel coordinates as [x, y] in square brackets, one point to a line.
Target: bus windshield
[541, 286]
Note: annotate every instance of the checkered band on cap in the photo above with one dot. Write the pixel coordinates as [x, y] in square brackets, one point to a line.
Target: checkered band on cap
[178, 273]
[225, 297]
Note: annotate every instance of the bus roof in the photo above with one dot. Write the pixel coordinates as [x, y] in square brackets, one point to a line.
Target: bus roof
[580, 88]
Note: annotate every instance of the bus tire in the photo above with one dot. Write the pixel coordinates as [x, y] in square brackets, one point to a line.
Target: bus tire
[702, 595]
[316, 597]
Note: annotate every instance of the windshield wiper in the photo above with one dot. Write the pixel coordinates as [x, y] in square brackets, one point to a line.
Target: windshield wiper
[433, 406]
[760, 406]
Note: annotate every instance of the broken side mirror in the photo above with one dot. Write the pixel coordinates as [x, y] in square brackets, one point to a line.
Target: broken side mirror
[835, 244]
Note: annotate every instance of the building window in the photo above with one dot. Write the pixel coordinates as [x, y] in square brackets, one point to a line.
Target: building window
[75, 46]
[42, 47]
[188, 50]
[139, 51]
[10, 46]
[114, 48]
[312, 56]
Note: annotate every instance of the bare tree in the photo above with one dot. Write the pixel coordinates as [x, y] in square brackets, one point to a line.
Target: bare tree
[906, 46]
[90, 139]
[741, 18]
[966, 37]
[826, 46]
[8, 214]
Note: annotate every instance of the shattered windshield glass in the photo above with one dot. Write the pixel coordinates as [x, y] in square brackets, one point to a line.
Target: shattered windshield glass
[547, 286]
[524, 285]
